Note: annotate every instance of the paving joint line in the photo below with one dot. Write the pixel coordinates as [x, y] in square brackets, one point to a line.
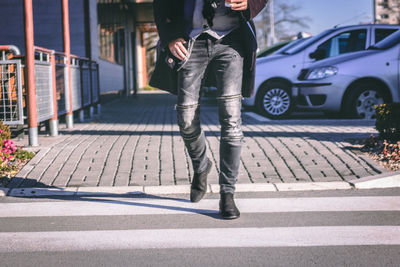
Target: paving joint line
[124, 147]
[62, 150]
[351, 154]
[81, 156]
[138, 140]
[43, 156]
[297, 159]
[108, 154]
[377, 171]
[323, 156]
[274, 148]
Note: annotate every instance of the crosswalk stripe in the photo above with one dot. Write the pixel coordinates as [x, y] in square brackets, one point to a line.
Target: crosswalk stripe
[92, 206]
[200, 238]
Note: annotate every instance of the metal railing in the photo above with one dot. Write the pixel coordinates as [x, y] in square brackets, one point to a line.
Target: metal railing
[76, 84]
[44, 84]
[52, 88]
[95, 82]
[85, 83]
[62, 92]
[11, 105]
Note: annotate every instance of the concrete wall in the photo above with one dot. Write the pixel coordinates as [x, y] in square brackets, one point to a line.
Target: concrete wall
[111, 74]
[77, 27]
[11, 23]
[47, 19]
[48, 33]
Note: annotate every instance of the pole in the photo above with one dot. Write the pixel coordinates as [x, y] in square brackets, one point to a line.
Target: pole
[54, 120]
[374, 10]
[30, 73]
[272, 21]
[69, 118]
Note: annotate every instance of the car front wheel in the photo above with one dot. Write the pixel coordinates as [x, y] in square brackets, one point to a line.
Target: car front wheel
[274, 100]
[361, 100]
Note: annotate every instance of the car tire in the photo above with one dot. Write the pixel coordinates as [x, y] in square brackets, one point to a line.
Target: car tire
[274, 100]
[360, 101]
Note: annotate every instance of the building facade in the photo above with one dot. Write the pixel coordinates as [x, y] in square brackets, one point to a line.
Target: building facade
[111, 32]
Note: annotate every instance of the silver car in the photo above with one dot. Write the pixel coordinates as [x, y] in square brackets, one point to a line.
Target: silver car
[353, 83]
[276, 73]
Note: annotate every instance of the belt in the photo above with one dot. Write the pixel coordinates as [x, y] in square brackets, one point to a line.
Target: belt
[206, 36]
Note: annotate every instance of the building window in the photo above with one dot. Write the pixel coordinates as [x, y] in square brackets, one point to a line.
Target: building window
[384, 16]
[111, 32]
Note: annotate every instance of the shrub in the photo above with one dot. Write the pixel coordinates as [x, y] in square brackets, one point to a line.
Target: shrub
[5, 132]
[388, 121]
[11, 157]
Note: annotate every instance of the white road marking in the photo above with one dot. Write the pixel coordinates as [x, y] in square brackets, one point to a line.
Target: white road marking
[200, 238]
[92, 206]
[256, 116]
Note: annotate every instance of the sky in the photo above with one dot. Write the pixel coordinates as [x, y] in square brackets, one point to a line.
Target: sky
[328, 13]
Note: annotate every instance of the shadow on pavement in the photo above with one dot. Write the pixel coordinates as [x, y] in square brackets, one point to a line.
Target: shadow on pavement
[159, 109]
[319, 136]
[93, 197]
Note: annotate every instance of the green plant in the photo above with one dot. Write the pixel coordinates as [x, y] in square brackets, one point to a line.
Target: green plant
[23, 154]
[12, 158]
[5, 132]
[388, 121]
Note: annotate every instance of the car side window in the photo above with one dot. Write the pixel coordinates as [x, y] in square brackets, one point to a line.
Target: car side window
[381, 34]
[345, 42]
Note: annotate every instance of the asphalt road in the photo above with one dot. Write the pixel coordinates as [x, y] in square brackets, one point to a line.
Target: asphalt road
[325, 228]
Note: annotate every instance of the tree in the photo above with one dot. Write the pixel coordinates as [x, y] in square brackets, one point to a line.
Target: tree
[287, 23]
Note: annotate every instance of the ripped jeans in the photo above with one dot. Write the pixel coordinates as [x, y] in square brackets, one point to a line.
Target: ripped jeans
[226, 59]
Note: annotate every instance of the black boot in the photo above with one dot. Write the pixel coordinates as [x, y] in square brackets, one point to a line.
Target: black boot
[199, 184]
[227, 207]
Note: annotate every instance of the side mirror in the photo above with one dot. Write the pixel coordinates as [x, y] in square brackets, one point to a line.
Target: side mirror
[318, 54]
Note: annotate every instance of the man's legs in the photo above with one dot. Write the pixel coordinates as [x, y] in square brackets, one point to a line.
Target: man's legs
[228, 67]
[188, 108]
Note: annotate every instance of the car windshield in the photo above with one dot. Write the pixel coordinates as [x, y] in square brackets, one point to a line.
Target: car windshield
[308, 42]
[290, 45]
[388, 42]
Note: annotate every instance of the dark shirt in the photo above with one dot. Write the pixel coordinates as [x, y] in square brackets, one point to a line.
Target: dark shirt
[225, 20]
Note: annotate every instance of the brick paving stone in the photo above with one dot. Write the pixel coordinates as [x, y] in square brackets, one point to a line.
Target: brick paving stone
[136, 141]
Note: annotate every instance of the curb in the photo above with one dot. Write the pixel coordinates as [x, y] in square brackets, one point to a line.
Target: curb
[377, 181]
[3, 191]
[372, 182]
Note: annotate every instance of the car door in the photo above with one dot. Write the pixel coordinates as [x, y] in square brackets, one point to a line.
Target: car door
[346, 41]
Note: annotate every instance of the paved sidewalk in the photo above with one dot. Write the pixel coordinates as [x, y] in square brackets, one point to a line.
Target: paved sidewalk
[136, 142]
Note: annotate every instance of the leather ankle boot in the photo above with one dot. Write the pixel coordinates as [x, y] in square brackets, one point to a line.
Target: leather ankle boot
[227, 207]
[199, 184]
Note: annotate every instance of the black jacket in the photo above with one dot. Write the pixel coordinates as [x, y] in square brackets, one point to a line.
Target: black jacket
[174, 20]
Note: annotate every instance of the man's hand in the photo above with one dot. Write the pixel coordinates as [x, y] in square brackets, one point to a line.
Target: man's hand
[178, 49]
[239, 5]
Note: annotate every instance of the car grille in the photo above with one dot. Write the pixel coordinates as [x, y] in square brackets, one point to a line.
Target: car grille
[303, 74]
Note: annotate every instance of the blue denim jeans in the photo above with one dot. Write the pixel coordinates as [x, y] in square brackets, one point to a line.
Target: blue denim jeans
[225, 57]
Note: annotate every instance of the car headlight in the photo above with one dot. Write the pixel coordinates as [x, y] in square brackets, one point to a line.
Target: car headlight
[322, 73]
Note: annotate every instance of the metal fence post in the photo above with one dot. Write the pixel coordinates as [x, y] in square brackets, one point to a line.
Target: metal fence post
[30, 73]
[91, 109]
[98, 89]
[54, 121]
[69, 118]
[82, 111]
